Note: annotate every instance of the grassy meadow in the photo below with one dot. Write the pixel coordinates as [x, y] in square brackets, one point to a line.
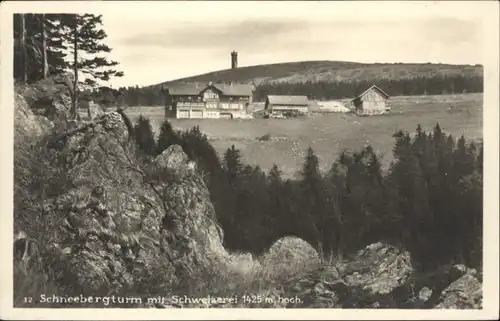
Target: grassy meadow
[329, 134]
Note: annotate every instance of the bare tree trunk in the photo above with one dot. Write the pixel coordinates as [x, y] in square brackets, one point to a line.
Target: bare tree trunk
[75, 69]
[45, 66]
[24, 75]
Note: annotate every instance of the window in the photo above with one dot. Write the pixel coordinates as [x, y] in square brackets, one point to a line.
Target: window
[210, 95]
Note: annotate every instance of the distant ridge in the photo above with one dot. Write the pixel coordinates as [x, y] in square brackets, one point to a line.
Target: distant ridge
[330, 71]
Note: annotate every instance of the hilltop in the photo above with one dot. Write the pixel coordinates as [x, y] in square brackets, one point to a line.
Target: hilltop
[330, 71]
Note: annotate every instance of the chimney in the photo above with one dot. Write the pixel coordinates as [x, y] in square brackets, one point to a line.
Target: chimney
[234, 60]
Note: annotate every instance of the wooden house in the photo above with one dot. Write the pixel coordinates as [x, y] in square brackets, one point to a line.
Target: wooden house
[282, 103]
[372, 101]
[212, 100]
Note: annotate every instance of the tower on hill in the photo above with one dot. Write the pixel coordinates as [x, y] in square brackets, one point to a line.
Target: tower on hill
[234, 60]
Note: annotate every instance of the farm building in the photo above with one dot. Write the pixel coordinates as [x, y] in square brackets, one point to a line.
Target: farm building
[275, 103]
[212, 100]
[372, 101]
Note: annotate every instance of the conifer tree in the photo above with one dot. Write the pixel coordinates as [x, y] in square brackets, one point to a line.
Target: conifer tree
[144, 136]
[84, 36]
[232, 164]
[275, 176]
[198, 148]
[166, 137]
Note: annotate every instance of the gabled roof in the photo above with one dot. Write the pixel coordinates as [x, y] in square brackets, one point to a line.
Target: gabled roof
[234, 89]
[369, 89]
[193, 89]
[288, 100]
[185, 89]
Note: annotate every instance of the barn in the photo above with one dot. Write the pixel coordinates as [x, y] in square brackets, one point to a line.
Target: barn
[282, 103]
[372, 101]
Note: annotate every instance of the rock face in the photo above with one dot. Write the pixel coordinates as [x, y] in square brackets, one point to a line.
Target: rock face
[122, 224]
[189, 229]
[465, 292]
[50, 97]
[381, 276]
[27, 124]
[91, 108]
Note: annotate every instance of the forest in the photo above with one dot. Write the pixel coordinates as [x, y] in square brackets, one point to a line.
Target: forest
[430, 202]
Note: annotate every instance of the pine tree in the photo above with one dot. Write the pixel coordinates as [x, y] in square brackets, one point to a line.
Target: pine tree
[275, 176]
[22, 45]
[232, 164]
[166, 137]
[43, 33]
[42, 52]
[84, 37]
[310, 169]
[144, 136]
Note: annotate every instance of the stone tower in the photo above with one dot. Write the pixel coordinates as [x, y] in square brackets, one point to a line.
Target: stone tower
[234, 60]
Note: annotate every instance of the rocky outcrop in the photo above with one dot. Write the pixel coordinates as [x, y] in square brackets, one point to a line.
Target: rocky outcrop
[121, 224]
[363, 282]
[464, 292]
[93, 109]
[381, 276]
[49, 97]
[26, 123]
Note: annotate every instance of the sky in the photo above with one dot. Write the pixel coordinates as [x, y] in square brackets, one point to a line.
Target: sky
[161, 41]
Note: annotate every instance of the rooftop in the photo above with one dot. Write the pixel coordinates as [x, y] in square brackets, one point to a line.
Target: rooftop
[288, 100]
[374, 87]
[194, 89]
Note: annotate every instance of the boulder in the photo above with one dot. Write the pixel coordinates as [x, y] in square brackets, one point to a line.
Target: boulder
[90, 108]
[94, 109]
[365, 281]
[291, 250]
[379, 268]
[381, 276]
[288, 256]
[465, 292]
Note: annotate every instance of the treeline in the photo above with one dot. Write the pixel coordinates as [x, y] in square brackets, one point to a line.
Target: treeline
[438, 85]
[48, 45]
[141, 96]
[430, 202]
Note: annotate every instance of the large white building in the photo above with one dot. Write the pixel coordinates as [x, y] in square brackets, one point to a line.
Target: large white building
[212, 100]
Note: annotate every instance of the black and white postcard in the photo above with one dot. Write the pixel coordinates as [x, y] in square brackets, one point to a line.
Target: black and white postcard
[249, 159]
